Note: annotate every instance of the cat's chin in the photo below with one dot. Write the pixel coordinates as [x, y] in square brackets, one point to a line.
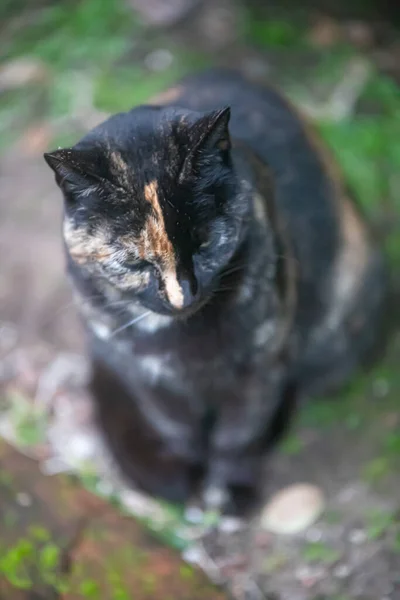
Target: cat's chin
[189, 311]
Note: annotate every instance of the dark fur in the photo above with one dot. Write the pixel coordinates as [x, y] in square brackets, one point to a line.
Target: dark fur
[261, 279]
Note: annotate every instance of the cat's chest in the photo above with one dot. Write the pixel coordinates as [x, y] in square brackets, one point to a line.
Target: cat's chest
[185, 353]
[194, 345]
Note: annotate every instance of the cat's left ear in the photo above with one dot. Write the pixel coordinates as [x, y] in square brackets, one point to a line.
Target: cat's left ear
[212, 131]
[208, 135]
[76, 171]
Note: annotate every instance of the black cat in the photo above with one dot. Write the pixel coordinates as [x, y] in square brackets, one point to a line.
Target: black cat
[222, 271]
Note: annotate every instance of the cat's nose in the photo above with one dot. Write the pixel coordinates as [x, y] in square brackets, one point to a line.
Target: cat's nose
[190, 290]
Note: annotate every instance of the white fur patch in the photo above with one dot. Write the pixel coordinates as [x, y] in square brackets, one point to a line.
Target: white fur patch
[245, 294]
[155, 367]
[348, 272]
[101, 330]
[264, 333]
[173, 289]
[154, 322]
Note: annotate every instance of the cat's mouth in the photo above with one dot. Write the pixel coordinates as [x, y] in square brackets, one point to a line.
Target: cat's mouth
[189, 311]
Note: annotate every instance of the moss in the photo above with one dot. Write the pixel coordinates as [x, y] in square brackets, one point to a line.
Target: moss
[319, 552]
[39, 533]
[33, 558]
[292, 445]
[6, 479]
[376, 470]
[391, 444]
[271, 30]
[396, 543]
[49, 557]
[148, 583]
[16, 564]
[186, 572]
[118, 90]
[90, 589]
[9, 518]
[332, 517]
[274, 562]
[379, 522]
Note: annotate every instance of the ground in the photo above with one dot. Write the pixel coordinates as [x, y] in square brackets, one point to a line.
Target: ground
[75, 62]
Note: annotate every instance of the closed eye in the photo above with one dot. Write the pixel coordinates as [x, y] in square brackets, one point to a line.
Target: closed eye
[139, 265]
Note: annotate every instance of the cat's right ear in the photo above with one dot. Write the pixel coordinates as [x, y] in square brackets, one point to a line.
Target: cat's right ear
[77, 171]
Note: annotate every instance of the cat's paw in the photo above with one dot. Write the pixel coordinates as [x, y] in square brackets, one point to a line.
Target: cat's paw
[230, 504]
[231, 501]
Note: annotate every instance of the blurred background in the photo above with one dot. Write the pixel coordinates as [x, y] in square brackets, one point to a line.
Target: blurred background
[65, 66]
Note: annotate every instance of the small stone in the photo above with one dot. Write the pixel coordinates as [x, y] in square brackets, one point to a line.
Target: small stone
[193, 555]
[293, 509]
[262, 539]
[20, 72]
[8, 336]
[231, 525]
[24, 499]
[194, 515]
[381, 388]
[159, 13]
[159, 60]
[357, 537]
[54, 465]
[214, 496]
[313, 535]
[105, 488]
[308, 576]
[342, 571]
[347, 495]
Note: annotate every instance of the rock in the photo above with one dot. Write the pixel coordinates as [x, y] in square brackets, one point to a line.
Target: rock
[159, 60]
[163, 13]
[20, 72]
[293, 509]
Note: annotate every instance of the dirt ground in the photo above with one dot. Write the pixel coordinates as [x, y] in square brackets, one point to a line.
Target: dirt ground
[348, 446]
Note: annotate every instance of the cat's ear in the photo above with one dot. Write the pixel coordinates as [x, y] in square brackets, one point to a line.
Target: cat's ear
[212, 131]
[77, 171]
[208, 135]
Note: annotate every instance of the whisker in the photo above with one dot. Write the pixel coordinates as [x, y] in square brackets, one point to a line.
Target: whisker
[135, 320]
[232, 269]
[225, 289]
[62, 309]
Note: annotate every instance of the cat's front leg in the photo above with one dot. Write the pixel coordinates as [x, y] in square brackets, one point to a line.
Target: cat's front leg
[151, 431]
[247, 411]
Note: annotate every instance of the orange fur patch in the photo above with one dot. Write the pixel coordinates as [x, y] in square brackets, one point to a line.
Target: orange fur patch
[155, 241]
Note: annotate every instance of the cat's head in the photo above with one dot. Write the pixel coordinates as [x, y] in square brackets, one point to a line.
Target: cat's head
[153, 205]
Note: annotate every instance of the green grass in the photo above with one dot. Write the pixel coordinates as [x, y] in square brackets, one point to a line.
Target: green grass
[368, 151]
[315, 552]
[291, 445]
[76, 34]
[272, 33]
[379, 523]
[120, 90]
[85, 46]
